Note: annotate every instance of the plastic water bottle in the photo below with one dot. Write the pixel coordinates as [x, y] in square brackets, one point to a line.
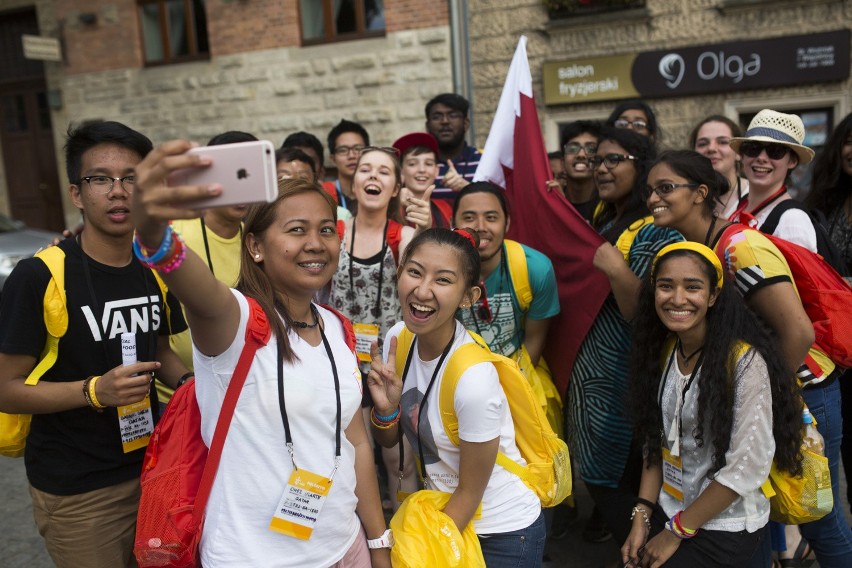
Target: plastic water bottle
[812, 439]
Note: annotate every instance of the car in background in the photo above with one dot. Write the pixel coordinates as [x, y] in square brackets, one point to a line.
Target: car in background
[17, 241]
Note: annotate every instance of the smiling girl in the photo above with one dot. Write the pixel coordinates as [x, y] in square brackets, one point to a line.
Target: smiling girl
[438, 276]
[712, 138]
[714, 403]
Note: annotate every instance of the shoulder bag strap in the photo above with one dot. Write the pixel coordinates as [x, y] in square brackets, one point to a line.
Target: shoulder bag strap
[517, 260]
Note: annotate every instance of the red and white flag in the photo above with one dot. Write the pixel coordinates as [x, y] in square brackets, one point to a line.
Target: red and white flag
[515, 158]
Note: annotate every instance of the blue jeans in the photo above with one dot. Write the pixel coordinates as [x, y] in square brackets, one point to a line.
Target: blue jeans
[517, 549]
[830, 537]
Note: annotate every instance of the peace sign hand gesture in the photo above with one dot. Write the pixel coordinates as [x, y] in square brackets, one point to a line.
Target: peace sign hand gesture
[384, 384]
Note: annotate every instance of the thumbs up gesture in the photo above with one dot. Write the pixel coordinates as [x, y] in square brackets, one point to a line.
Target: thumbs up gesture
[418, 211]
[453, 179]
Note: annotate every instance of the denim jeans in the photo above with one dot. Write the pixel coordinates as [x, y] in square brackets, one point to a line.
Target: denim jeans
[517, 549]
[830, 537]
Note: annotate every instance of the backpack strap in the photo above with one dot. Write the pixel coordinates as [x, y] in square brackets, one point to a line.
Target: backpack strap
[348, 331]
[257, 335]
[519, 273]
[341, 229]
[774, 216]
[626, 238]
[461, 360]
[403, 346]
[442, 213]
[55, 311]
[394, 236]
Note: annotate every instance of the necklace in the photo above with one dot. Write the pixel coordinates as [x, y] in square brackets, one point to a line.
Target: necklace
[686, 357]
[710, 231]
[306, 325]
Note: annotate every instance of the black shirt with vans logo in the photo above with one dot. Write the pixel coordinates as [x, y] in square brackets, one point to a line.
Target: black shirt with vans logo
[79, 450]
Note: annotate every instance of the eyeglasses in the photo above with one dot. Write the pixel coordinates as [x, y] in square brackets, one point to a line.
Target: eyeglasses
[104, 184]
[773, 151]
[611, 161]
[575, 147]
[631, 124]
[452, 116]
[346, 150]
[664, 189]
[483, 312]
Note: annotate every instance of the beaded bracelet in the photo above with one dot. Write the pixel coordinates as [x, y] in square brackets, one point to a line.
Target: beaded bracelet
[645, 518]
[140, 249]
[176, 260]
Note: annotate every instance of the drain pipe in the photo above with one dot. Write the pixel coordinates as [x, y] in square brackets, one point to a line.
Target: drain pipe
[460, 56]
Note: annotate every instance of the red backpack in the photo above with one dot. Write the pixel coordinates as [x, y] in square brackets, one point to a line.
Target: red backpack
[825, 295]
[178, 471]
[393, 237]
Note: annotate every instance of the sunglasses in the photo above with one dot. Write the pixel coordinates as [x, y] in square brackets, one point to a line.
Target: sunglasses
[773, 151]
[483, 312]
[664, 189]
[611, 161]
[575, 147]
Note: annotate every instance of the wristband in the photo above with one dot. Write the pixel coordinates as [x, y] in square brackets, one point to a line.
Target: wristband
[185, 377]
[390, 417]
[93, 397]
[640, 501]
[383, 425]
[139, 249]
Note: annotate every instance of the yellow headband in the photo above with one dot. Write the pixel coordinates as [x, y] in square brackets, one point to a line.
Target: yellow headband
[704, 251]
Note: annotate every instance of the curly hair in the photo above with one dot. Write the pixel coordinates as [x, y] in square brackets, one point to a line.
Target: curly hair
[830, 184]
[728, 322]
[635, 145]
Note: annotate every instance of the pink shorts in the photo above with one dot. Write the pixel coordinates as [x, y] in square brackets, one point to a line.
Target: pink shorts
[358, 555]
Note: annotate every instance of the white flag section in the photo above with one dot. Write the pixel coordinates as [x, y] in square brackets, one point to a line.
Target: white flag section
[499, 151]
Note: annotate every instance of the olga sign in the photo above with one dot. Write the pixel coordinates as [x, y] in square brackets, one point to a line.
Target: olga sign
[734, 66]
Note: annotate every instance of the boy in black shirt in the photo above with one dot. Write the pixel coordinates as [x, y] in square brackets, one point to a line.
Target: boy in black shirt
[82, 462]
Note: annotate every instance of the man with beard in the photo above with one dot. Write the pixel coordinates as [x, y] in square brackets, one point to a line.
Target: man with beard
[447, 120]
[579, 142]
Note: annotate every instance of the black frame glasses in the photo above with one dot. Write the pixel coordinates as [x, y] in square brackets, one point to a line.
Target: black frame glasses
[574, 148]
[773, 151]
[631, 124]
[346, 150]
[664, 189]
[105, 184]
[611, 161]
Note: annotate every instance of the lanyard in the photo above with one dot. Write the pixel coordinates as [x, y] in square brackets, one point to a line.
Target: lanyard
[97, 311]
[763, 204]
[473, 313]
[287, 435]
[207, 245]
[422, 404]
[341, 198]
[678, 417]
[378, 312]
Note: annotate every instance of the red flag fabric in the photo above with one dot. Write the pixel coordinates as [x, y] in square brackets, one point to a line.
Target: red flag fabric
[515, 159]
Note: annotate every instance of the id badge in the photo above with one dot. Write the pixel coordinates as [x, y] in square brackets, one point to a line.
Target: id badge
[672, 475]
[136, 424]
[365, 335]
[300, 506]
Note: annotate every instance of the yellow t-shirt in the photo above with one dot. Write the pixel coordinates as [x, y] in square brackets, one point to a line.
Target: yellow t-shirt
[225, 258]
[754, 262]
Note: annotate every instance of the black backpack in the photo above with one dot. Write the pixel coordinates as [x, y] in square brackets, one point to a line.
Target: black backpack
[825, 248]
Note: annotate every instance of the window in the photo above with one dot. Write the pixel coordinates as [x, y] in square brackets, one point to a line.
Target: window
[569, 8]
[173, 30]
[325, 21]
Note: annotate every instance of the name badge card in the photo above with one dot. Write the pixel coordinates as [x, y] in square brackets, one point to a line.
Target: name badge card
[672, 475]
[300, 506]
[365, 335]
[136, 424]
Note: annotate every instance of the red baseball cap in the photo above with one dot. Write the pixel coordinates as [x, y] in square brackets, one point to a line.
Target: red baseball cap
[404, 143]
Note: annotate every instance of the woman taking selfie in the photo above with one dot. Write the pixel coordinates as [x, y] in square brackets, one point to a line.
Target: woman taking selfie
[300, 402]
[714, 403]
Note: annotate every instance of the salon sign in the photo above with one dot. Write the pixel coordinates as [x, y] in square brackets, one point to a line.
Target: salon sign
[723, 67]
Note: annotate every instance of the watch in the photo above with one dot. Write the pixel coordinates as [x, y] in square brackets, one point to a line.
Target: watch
[384, 541]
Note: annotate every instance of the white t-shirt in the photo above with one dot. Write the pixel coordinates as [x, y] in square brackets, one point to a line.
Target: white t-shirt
[255, 465]
[794, 225]
[483, 414]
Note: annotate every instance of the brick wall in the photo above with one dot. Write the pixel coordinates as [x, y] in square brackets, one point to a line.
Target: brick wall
[414, 14]
[113, 42]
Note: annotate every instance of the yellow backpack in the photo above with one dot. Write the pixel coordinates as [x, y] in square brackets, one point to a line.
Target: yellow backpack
[626, 238]
[539, 376]
[14, 428]
[548, 468]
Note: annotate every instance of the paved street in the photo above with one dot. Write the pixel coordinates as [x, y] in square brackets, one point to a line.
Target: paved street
[22, 547]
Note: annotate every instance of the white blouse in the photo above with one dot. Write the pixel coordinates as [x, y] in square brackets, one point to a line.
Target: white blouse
[749, 457]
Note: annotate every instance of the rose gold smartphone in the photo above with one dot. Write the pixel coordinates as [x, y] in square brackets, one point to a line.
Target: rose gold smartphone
[245, 170]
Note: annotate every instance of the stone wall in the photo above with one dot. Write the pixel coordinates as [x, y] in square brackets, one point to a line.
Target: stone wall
[495, 29]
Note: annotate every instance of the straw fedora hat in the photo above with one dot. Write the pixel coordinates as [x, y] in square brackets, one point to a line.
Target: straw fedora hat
[777, 128]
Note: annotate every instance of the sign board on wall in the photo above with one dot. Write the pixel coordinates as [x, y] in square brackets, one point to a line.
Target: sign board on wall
[733, 66]
[41, 48]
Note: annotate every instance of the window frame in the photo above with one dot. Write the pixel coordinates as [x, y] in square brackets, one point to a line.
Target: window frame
[165, 42]
[330, 35]
[568, 9]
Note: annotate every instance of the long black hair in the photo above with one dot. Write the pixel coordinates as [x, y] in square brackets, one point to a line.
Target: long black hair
[641, 147]
[728, 322]
[830, 185]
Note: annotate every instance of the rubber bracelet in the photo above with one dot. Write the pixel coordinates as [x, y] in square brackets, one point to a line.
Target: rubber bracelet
[681, 528]
[160, 253]
[390, 417]
[93, 394]
[86, 394]
[382, 425]
[183, 379]
[649, 504]
[175, 260]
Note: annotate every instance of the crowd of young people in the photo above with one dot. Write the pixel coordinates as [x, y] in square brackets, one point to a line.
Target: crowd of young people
[707, 386]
